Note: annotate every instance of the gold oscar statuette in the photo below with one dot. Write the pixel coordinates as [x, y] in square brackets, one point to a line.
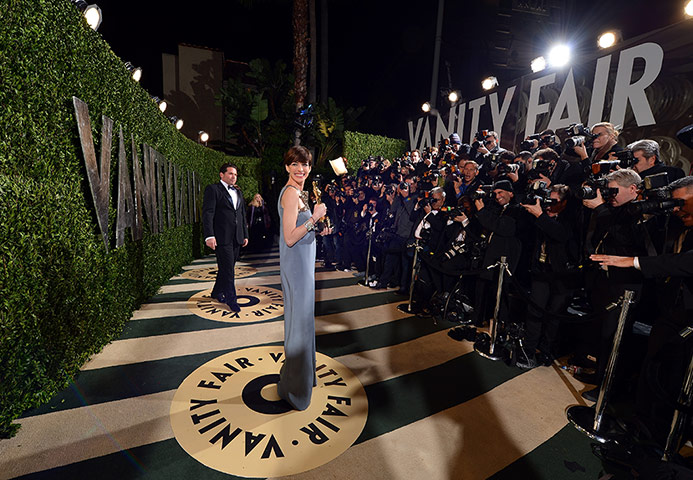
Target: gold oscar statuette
[318, 200]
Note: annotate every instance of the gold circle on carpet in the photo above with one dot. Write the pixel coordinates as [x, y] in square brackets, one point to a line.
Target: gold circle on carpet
[257, 303]
[210, 273]
[228, 416]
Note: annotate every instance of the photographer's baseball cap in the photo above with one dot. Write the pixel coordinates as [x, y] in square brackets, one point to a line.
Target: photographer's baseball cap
[455, 138]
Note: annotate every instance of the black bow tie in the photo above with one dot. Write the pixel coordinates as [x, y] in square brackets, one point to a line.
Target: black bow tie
[231, 187]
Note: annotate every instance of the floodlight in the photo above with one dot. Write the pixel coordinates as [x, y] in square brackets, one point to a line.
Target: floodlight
[203, 136]
[688, 9]
[538, 64]
[178, 122]
[608, 39]
[426, 107]
[453, 96]
[161, 103]
[489, 82]
[92, 13]
[136, 72]
[559, 56]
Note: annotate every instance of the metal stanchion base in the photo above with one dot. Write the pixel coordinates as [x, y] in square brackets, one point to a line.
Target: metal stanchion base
[405, 307]
[582, 418]
[482, 346]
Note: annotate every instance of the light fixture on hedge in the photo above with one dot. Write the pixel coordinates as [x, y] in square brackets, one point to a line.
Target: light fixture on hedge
[203, 136]
[161, 103]
[426, 107]
[136, 72]
[92, 13]
[453, 96]
[178, 122]
[489, 82]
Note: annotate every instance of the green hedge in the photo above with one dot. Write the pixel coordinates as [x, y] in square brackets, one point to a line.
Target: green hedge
[63, 295]
[358, 146]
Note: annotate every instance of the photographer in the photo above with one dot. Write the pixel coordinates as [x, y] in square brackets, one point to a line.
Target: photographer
[604, 138]
[646, 153]
[486, 142]
[553, 267]
[545, 139]
[548, 167]
[499, 217]
[614, 230]
[673, 272]
[396, 268]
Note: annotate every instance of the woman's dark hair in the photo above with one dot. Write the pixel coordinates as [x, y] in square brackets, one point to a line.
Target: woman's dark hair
[298, 154]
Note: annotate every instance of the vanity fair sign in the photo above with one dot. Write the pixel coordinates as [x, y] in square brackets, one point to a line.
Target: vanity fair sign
[645, 86]
[163, 194]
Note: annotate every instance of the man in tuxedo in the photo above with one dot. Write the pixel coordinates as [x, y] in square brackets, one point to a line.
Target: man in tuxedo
[225, 230]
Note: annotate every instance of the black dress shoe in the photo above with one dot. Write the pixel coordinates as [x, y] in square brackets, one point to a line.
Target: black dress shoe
[233, 306]
[402, 293]
[591, 395]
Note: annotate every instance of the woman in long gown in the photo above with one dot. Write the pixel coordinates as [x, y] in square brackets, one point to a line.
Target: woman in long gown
[297, 270]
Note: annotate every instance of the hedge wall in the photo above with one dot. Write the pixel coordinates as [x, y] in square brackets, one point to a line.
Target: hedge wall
[64, 296]
[358, 146]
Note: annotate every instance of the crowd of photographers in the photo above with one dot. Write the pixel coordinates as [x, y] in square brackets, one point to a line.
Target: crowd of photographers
[578, 219]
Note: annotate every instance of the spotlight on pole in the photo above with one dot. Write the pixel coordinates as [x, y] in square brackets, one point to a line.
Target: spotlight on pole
[489, 82]
[559, 56]
[136, 72]
[160, 103]
[178, 122]
[426, 107]
[688, 9]
[608, 39]
[203, 136]
[92, 13]
[538, 64]
[453, 96]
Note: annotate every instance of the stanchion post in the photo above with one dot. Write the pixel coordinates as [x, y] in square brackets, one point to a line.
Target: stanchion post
[484, 348]
[368, 256]
[678, 422]
[592, 421]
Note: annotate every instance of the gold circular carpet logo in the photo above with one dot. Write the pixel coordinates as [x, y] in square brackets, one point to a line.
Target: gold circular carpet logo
[227, 415]
[210, 273]
[257, 304]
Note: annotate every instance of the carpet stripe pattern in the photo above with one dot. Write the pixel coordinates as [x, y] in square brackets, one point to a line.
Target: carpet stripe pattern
[437, 410]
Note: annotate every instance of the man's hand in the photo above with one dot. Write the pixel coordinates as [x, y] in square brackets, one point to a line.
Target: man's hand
[581, 151]
[479, 204]
[594, 202]
[613, 260]
[483, 150]
[211, 242]
[427, 209]
[513, 176]
[460, 218]
[535, 209]
[245, 242]
[546, 179]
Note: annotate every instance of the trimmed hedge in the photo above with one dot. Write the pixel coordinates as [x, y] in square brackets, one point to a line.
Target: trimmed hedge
[63, 295]
[358, 146]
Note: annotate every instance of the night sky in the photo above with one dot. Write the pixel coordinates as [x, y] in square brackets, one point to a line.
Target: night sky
[380, 52]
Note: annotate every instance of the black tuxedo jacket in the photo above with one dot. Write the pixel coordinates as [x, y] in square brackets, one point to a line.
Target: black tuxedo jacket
[219, 217]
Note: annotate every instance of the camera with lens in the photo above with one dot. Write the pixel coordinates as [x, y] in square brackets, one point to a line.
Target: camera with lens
[658, 199]
[504, 168]
[426, 199]
[482, 192]
[626, 159]
[455, 249]
[539, 167]
[589, 190]
[479, 139]
[578, 135]
[531, 142]
[539, 191]
[404, 186]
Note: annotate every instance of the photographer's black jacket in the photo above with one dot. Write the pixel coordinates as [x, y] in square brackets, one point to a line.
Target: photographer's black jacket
[560, 244]
[502, 225]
